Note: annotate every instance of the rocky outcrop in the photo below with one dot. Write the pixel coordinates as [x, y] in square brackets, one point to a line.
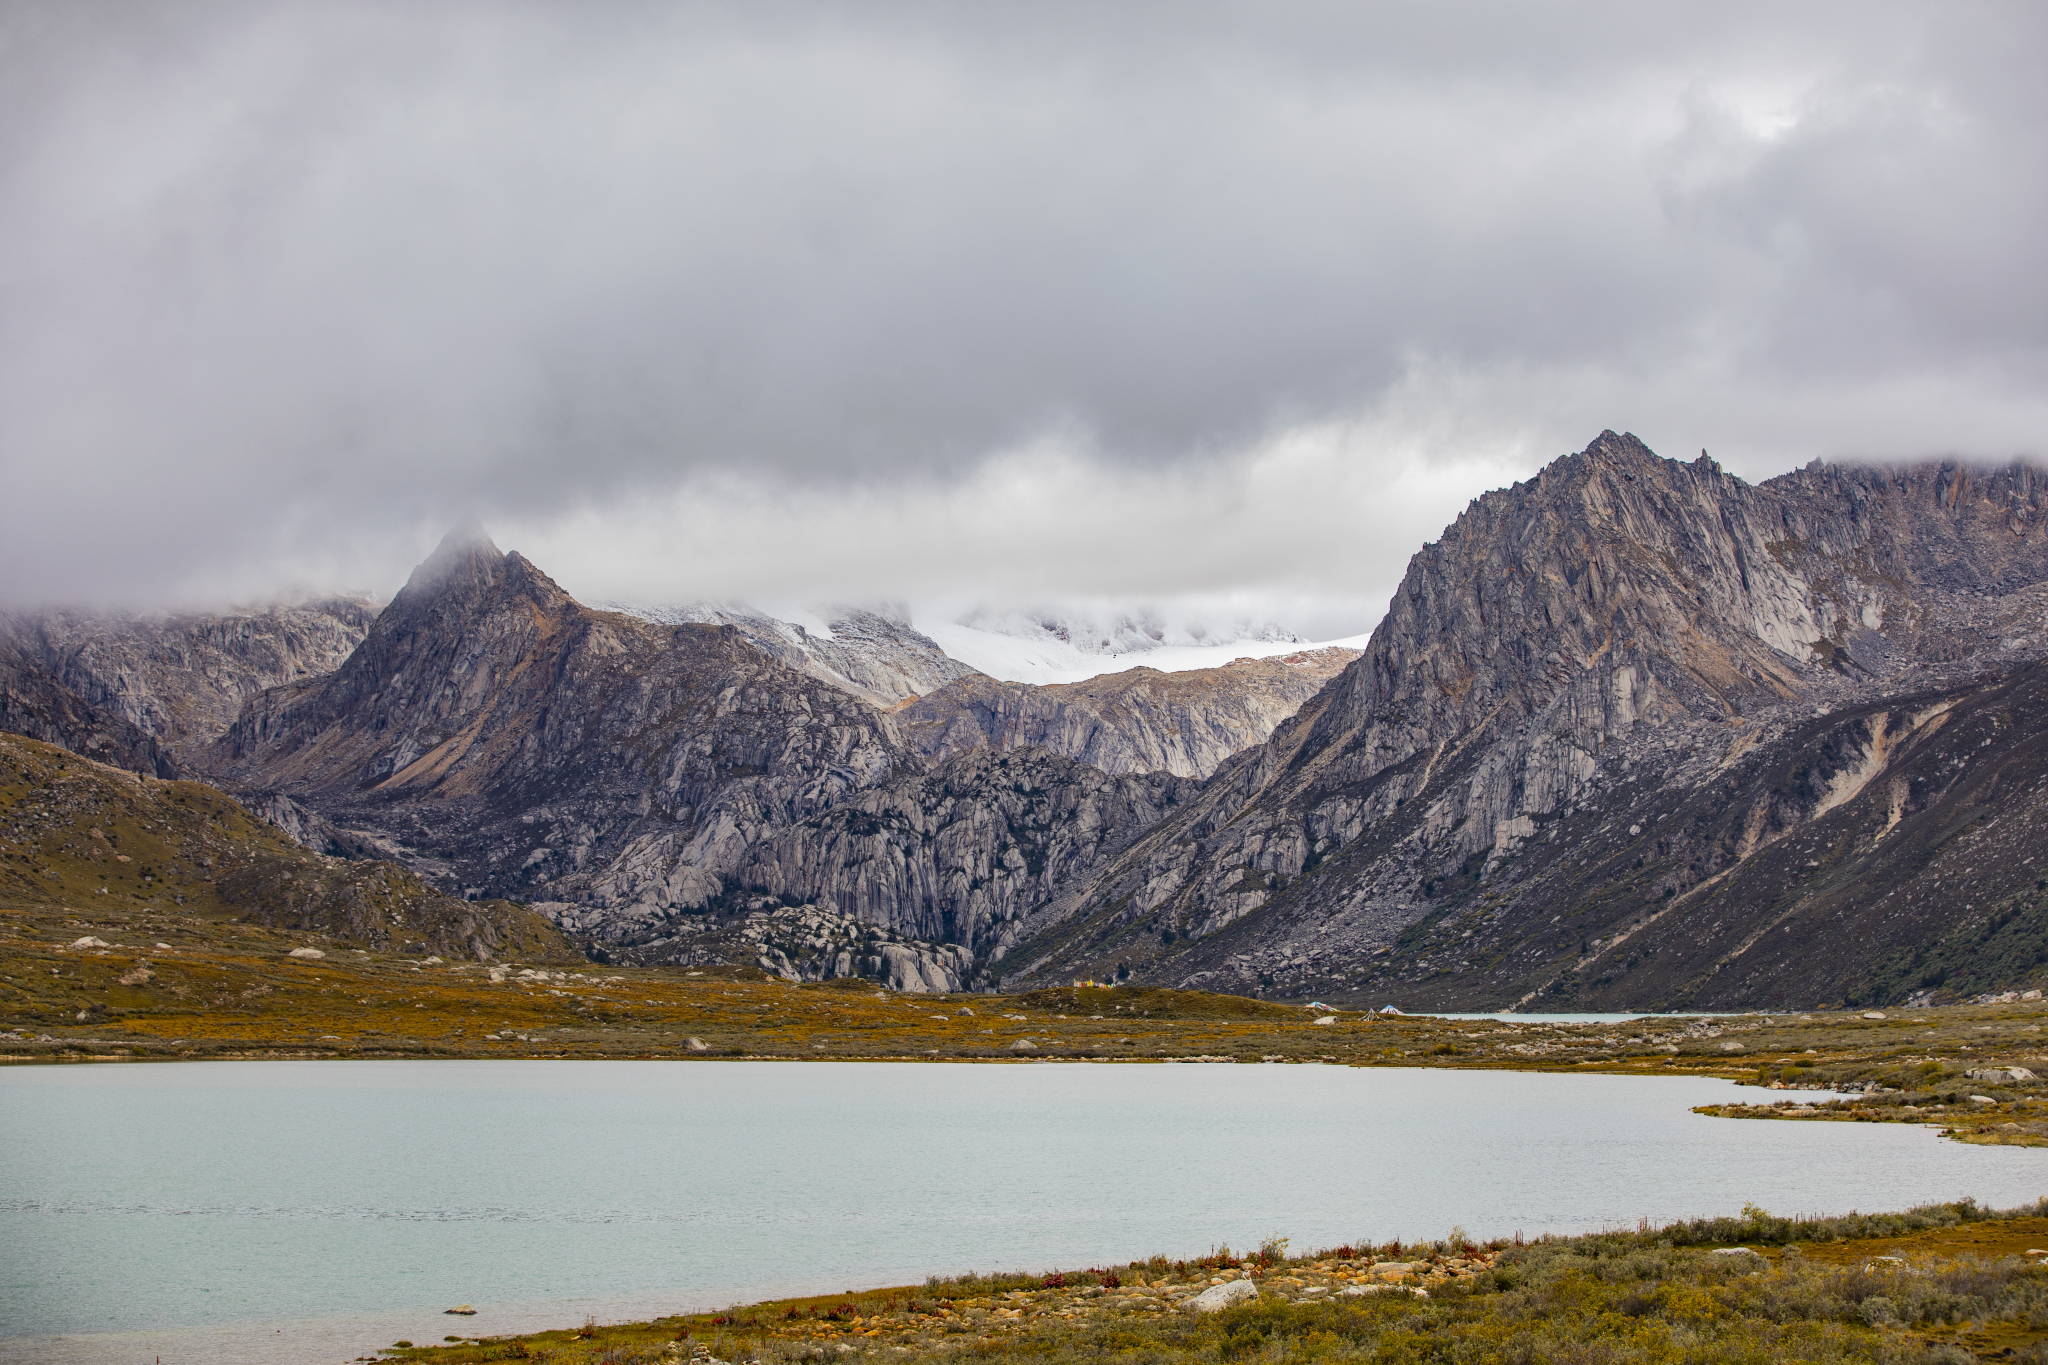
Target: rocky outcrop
[795, 943]
[1620, 623]
[1139, 720]
[182, 678]
[964, 853]
[310, 829]
[384, 907]
[36, 703]
[874, 654]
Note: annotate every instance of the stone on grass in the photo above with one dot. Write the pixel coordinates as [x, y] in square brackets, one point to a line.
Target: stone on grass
[307, 952]
[1023, 1045]
[1218, 1297]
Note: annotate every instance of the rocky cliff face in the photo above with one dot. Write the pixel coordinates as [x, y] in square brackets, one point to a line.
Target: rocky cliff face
[796, 943]
[875, 655]
[510, 740]
[182, 678]
[1592, 632]
[1140, 720]
[36, 703]
[962, 854]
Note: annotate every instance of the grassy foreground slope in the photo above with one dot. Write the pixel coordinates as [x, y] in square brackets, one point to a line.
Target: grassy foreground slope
[1944, 1285]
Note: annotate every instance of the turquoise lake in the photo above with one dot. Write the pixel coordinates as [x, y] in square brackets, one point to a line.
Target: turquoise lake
[317, 1210]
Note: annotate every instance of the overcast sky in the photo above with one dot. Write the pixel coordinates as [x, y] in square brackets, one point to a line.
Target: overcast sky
[959, 304]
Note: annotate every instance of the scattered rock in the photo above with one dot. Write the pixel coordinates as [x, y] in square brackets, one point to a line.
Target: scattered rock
[1023, 1045]
[90, 942]
[1218, 1297]
[461, 1310]
[1872, 1014]
[307, 953]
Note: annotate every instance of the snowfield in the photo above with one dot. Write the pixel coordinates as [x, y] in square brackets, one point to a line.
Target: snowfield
[1051, 660]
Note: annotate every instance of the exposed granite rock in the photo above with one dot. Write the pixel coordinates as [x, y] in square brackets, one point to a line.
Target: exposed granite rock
[1619, 624]
[796, 943]
[962, 854]
[510, 741]
[310, 829]
[36, 703]
[182, 678]
[874, 654]
[1139, 720]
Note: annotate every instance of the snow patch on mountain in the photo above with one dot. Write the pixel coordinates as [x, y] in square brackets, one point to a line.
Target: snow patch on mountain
[1047, 659]
[871, 652]
[879, 654]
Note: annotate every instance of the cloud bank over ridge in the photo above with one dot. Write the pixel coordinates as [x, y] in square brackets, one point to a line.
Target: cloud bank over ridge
[1214, 301]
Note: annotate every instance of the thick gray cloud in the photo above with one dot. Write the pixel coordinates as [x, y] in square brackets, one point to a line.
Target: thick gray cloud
[962, 302]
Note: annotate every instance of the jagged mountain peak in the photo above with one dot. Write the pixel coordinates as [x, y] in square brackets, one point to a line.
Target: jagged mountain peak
[467, 573]
[1618, 626]
[467, 554]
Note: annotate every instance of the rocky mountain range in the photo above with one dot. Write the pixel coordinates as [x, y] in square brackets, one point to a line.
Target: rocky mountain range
[874, 654]
[1139, 720]
[181, 678]
[1634, 733]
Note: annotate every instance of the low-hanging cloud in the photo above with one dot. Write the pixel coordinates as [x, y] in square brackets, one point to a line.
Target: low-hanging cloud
[972, 302]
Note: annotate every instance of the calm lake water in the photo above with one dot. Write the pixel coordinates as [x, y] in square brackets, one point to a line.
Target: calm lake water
[169, 1210]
